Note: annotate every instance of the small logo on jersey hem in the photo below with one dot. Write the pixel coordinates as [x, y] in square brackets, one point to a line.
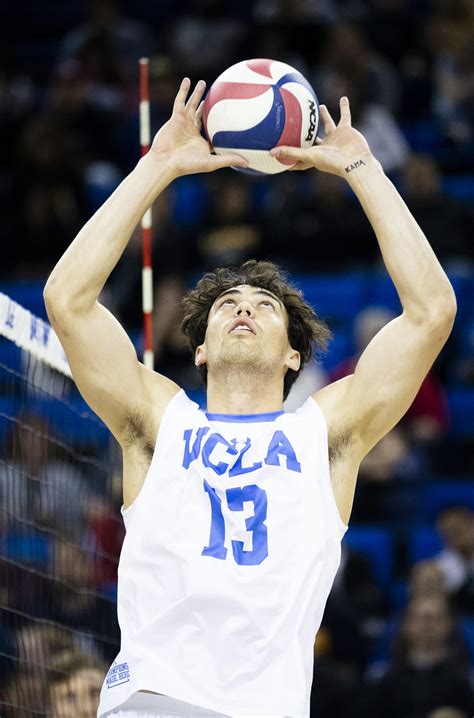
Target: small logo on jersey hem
[119, 673]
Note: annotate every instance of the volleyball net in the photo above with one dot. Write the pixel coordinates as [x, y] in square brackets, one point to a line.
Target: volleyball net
[60, 527]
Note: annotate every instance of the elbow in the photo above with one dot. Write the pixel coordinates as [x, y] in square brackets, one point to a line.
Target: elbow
[443, 313]
[53, 296]
[447, 307]
[59, 303]
[439, 312]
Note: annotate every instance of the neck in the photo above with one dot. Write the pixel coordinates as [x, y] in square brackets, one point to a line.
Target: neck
[243, 392]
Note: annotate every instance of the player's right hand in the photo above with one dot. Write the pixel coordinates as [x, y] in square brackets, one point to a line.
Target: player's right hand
[179, 142]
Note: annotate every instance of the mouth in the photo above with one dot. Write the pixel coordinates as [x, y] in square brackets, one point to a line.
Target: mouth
[241, 326]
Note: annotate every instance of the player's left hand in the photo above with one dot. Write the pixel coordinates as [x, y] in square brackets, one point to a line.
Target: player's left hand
[341, 147]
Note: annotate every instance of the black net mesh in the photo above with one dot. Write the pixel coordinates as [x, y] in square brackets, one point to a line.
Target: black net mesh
[61, 534]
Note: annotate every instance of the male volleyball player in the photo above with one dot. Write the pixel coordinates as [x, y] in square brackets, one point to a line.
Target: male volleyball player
[234, 516]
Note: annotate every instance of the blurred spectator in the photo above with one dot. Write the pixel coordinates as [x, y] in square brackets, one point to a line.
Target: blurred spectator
[107, 532]
[348, 57]
[204, 42]
[427, 418]
[426, 580]
[74, 685]
[311, 378]
[333, 688]
[446, 222]
[316, 226]
[355, 586]
[451, 36]
[351, 67]
[456, 561]
[50, 184]
[39, 481]
[124, 39]
[231, 233]
[73, 601]
[447, 712]
[26, 690]
[18, 97]
[428, 669]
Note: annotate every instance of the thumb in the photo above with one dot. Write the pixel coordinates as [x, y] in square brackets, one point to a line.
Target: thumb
[290, 153]
[228, 160]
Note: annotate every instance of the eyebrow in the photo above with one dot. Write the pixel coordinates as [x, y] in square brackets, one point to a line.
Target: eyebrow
[257, 291]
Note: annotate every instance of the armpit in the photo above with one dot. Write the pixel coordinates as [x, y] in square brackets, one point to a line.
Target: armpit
[339, 443]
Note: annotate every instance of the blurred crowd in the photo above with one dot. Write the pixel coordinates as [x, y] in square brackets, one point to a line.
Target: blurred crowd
[402, 646]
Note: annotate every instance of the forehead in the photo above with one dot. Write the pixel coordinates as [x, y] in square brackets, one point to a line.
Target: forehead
[248, 291]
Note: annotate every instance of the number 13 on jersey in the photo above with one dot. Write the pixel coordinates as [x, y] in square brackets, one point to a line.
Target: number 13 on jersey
[235, 501]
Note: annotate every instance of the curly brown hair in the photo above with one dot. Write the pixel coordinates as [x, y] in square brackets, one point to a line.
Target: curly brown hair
[306, 331]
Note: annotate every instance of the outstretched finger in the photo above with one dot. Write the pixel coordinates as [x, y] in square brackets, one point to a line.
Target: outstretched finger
[289, 153]
[180, 98]
[345, 111]
[328, 123]
[196, 96]
[198, 115]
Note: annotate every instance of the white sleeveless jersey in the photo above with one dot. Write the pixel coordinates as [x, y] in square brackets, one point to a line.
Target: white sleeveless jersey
[230, 552]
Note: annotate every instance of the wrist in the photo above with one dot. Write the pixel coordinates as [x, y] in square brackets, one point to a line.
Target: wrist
[361, 170]
[158, 168]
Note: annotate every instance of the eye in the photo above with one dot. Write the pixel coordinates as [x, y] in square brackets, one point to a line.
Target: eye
[267, 303]
[229, 300]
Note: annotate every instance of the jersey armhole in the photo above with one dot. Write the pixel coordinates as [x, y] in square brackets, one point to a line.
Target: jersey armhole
[327, 485]
[128, 512]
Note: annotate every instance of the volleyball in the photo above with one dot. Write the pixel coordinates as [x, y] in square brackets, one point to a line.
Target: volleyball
[258, 104]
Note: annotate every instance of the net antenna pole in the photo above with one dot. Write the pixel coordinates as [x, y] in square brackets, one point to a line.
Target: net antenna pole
[146, 222]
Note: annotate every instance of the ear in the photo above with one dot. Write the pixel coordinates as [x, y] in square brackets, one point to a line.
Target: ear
[293, 359]
[200, 355]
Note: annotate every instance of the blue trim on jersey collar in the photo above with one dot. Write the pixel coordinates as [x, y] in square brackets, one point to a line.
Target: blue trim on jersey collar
[269, 416]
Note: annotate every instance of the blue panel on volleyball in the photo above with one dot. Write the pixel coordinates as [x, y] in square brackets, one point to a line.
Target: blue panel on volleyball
[377, 544]
[263, 136]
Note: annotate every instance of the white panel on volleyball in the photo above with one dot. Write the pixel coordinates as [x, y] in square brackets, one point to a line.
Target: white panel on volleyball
[261, 160]
[305, 98]
[280, 69]
[239, 115]
[242, 73]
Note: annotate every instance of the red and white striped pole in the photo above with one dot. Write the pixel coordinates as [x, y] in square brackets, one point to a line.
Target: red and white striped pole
[147, 271]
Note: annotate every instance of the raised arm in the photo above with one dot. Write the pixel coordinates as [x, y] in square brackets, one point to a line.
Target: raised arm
[102, 358]
[366, 405]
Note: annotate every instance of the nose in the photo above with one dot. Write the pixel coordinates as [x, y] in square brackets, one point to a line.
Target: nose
[244, 307]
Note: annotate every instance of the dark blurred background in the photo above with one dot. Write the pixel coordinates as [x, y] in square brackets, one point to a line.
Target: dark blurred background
[398, 634]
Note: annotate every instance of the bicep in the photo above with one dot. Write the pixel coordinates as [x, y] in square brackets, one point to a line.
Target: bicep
[104, 365]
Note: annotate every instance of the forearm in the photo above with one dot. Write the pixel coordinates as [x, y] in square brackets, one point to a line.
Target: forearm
[421, 283]
[79, 276]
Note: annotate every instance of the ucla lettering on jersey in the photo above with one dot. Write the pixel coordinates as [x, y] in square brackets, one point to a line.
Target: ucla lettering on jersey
[230, 552]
